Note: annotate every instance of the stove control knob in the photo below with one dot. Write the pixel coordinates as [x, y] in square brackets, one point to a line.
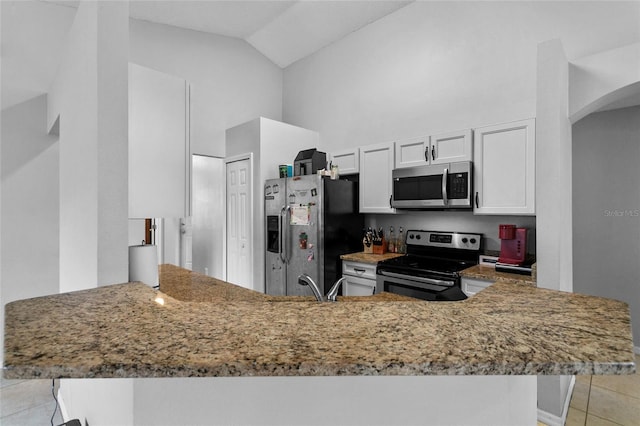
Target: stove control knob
[411, 236]
[418, 237]
[465, 240]
[473, 241]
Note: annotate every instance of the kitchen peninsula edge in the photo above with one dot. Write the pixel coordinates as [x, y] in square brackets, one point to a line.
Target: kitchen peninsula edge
[197, 326]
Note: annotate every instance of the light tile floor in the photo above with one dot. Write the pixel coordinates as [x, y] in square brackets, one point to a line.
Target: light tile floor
[596, 401]
[605, 400]
[27, 403]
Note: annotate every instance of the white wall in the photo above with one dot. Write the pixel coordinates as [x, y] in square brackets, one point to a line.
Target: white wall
[98, 402]
[231, 82]
[600, 79]
[438, 66]
[606, 201]
[29, 214]
[382, 400]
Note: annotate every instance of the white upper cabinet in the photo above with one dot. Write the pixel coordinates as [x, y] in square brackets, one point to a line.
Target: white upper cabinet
[412, 152]
[348, 161]
[376, 165]
[437, 149]
[159, 156]
[451, 147]
[504, 168]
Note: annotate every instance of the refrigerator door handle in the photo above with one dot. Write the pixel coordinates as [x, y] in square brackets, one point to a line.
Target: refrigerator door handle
[284, 234]
[280, 254]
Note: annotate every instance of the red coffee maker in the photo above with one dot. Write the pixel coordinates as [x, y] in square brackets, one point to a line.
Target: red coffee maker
[513, 244]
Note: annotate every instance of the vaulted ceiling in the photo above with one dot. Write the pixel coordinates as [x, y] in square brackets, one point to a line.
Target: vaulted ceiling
[33, 32]
[284, 31]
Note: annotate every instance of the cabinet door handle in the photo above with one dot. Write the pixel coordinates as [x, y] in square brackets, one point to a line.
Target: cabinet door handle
[360, 270]
[426, 154]
[477, 201]
[390, 197]
[433, 152]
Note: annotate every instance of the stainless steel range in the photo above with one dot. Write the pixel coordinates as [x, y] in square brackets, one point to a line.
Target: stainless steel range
[431, 268]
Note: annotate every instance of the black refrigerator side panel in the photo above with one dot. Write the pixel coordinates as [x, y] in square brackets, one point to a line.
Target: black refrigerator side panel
[342, 226]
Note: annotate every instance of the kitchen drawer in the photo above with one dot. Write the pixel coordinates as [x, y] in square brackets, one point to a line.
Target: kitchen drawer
[358, 269]
[355, 286]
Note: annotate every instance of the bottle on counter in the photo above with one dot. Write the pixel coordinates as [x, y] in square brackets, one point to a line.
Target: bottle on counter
[401, 245]
[392, 241]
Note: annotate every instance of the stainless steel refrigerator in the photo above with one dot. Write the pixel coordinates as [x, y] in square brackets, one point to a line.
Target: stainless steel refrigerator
[310, 222]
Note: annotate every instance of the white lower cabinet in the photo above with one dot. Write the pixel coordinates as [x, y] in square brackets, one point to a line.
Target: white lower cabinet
[360, 278]
[471, 286]
[354, 286]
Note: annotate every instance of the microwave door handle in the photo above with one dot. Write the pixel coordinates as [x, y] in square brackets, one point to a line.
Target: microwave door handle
[445, 179]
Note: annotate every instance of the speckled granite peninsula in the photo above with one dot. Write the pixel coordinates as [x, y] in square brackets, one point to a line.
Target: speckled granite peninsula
[490, 274]
[206, 327]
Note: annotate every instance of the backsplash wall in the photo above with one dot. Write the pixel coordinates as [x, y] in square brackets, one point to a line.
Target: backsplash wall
[459, 221]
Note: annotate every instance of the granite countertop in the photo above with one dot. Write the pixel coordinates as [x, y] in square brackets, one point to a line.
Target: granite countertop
[206, 327]
[369, 257]
[490, 274]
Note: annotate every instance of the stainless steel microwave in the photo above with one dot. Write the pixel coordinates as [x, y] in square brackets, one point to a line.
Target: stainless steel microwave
[442, 186]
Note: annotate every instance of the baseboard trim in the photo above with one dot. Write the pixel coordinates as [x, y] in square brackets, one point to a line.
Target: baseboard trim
[553, 420]
[63, 409]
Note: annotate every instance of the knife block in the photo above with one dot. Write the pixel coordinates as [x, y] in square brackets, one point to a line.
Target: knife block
[379, 247]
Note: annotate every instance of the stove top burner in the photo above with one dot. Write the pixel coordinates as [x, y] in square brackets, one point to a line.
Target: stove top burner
[441, 253]
[427, 264]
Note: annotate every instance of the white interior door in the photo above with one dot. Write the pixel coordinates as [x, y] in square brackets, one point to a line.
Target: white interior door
[239, 224]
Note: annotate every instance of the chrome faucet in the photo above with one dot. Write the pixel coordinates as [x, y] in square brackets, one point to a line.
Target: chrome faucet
[332, 296]
[305, 279]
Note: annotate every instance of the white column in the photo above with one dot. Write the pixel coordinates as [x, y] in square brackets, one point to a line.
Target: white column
[88, 102]
[88, 106]
[554, 218]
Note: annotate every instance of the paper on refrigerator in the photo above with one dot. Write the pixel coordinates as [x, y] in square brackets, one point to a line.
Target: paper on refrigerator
[300, 215]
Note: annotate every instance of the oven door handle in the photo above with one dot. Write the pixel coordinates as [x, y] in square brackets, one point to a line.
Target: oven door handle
[418, 279]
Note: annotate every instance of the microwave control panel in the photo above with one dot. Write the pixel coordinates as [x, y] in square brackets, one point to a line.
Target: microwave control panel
[458, 185]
